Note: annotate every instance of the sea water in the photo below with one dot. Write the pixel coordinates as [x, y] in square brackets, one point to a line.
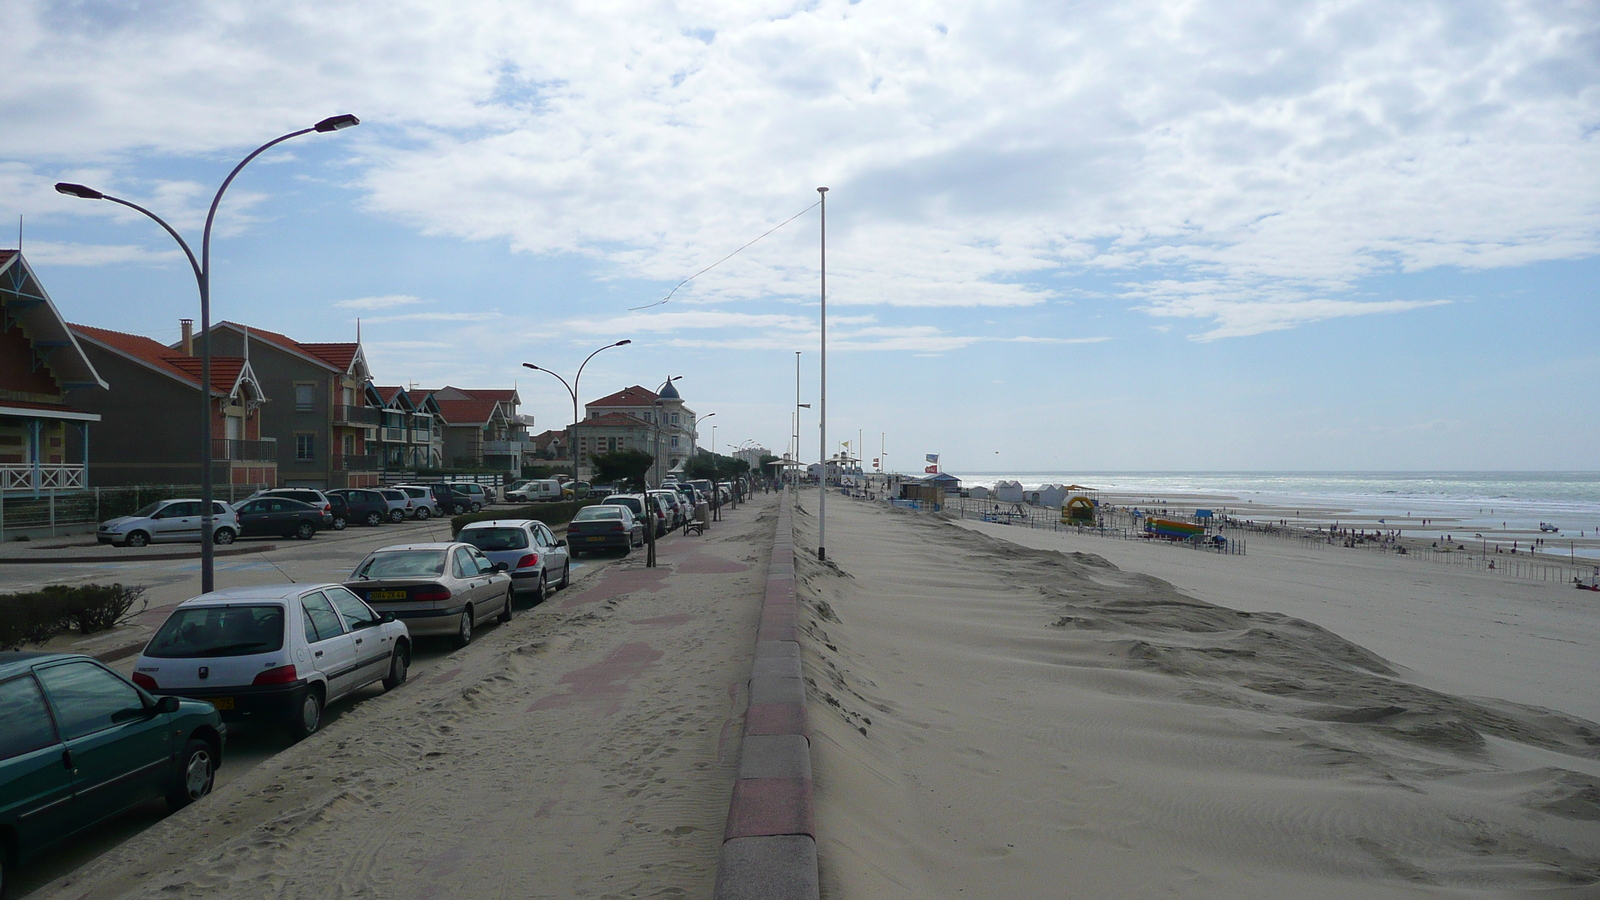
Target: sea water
[1501, 505]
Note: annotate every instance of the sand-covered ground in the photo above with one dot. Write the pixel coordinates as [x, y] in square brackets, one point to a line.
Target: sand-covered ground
[995, 720]
[587, 749]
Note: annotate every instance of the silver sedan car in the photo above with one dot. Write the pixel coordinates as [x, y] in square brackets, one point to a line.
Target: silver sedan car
[436, 589]
[535, 557]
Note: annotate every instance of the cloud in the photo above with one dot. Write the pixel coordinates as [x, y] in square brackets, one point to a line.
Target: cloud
[1289, 151]
[70, 254]
[435, 317]
[388, 301]
[1240, 310]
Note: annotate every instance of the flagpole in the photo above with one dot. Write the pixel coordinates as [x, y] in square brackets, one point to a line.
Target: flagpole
[822, 482]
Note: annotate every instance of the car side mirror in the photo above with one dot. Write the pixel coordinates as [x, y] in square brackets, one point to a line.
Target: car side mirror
[386, 618]
[167, 704]
[500, 567]
[561, 542]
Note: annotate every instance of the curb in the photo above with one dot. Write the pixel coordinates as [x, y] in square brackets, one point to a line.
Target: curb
[769, 847]
[143, 557]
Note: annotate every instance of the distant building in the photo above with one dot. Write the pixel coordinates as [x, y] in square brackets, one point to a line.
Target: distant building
[670, 424]
[1008, 491]
[1047, 495]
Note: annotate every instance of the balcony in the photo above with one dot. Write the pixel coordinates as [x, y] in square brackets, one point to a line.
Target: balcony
[507, 448]
[394, 435]
[265, 450]
[356, 415]
[354, 463]
[19, 477]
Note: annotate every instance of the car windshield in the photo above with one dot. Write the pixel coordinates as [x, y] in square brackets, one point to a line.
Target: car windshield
[204, 631]
[590, 513]
[496, 538]
[403, 564]
[630, 502]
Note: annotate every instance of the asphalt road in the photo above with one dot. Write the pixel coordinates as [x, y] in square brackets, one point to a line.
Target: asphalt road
[329, 557]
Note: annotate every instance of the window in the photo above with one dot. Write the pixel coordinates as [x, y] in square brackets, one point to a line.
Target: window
[356, 614]
[319, 615]
[305, 447]
[674, 418]
[28, 725]
[305, 396]
[349, 445]
[674, 442]
[88, 698]
[611, 443]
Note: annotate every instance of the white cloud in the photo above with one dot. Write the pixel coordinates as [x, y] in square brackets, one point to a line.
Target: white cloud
[388, 301]
[69, 254]
[1288, 152]
[435, 317]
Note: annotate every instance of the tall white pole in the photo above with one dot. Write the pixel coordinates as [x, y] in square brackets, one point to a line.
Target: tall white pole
[794, 472]
[822, 397]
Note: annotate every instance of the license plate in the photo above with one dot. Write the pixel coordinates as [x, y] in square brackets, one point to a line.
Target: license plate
[221, 702]
[387, 595]
[595, 537]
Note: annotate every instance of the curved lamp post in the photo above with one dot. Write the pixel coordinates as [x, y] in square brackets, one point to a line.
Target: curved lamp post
[573, 390]
[202, 276]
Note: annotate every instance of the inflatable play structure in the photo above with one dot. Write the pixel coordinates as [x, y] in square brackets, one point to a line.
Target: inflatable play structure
[1078, 511]
[1180, 531]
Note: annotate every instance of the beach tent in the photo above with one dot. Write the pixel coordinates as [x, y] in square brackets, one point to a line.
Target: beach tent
[1048, 495]
[978, 493]
[1008, 491]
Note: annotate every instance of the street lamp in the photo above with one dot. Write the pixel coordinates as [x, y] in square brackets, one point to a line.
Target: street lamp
[202, 277]
[573, 390]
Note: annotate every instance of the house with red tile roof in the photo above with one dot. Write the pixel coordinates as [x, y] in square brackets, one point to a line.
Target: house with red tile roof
[327, 432]
[411, 435]
[44, 375]
[152, 383]
[483, 428]
[669, 423]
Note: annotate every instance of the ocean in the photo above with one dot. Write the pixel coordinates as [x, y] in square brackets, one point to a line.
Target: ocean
[1504, 505]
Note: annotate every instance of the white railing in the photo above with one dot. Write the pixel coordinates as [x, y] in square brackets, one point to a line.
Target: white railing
[19, 477]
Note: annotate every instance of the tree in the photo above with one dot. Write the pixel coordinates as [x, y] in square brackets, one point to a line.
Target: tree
[623, 468]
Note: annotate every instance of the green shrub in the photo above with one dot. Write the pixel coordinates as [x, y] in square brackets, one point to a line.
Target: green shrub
[549, 513]
[33, 617]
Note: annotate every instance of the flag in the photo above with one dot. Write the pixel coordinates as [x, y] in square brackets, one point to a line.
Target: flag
[875, 462]
[933, 457]
[932, 470]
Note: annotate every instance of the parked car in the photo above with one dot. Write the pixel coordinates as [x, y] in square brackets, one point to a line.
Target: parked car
[477, 495]
[514, 486]
[600, 491]
[436, 589]
[274, 653]
[536, 489]
[341, 512]
[304, 495]
[168, 521]
[278, 517]
[81, 744]
[647, 507]
[364, 505]
[534, 556]
[424, 504]
[604, 527]
[675, 507]
[450, 502]
[399, 504]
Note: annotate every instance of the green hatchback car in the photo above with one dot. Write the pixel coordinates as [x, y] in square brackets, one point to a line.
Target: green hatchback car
[80, 744]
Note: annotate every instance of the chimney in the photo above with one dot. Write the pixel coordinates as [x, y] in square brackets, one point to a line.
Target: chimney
[187, 346]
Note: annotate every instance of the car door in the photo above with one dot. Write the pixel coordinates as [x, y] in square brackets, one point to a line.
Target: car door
[465, 569]
[116, 741]
[373, 645]
[556, 556]
[331, 647]
[38, 795]
[254, 516]
[496, 585]
[176, 522]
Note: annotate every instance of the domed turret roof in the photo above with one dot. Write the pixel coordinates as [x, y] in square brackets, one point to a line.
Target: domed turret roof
[668, 392]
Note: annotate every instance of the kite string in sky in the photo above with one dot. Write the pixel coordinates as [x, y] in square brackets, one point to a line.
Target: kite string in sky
[725, 258]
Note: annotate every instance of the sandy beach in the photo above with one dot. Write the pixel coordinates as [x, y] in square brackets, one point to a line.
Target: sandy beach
[1000, 712]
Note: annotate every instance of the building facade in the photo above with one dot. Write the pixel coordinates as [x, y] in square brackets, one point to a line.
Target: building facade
[44, 438]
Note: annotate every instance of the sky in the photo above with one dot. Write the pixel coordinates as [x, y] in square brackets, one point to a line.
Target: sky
[1060, 235]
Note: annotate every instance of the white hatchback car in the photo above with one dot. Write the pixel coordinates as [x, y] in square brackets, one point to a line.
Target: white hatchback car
[170, 520]
[274, 652]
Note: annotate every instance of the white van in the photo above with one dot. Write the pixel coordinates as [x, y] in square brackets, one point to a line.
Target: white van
[536, 490]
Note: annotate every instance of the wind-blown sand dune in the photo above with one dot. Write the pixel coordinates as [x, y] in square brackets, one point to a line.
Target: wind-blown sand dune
[991, 720]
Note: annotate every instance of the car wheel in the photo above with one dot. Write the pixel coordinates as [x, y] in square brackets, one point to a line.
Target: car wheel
[462, 509]
[542, 588]
[511, 604]
[304, 531]
[476, 506]
[424, 513]
[339, 523]
[136, 539]
[399, 665]
[310, 718]
[197, 773]
[464, 629]
[566, 574]
[223, 536]
[397, 516]
[374, 519]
